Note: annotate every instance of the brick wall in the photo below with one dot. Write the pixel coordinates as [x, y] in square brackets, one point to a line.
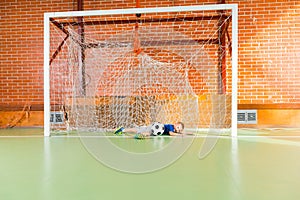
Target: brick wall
[269, 58]
[269, 46]
[21, 52]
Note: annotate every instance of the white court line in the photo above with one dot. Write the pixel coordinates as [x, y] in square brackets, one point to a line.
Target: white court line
[166, 136]
[22, 136]
[187, 136]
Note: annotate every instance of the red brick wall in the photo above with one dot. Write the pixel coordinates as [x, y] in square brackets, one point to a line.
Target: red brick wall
[21, 50]
[269, 58]
[269, 46]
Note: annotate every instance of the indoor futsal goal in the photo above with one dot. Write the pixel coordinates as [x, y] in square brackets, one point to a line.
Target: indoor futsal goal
[131, 67]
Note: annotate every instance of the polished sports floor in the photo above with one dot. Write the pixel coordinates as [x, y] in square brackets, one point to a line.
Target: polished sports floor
[259, 164]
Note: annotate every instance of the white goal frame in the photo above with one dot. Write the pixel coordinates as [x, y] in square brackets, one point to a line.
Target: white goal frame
[234, 42]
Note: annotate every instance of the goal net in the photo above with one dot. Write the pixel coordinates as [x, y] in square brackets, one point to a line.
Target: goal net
[132, 67]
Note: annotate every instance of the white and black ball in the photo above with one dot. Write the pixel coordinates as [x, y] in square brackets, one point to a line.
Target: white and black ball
[157, 128]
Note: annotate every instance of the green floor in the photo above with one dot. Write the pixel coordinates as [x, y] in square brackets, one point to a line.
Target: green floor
[65, 168]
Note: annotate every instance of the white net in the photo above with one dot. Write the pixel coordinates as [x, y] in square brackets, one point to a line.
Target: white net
[128, 70]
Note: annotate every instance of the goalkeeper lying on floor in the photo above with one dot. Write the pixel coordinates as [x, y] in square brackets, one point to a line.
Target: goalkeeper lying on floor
[154, 129]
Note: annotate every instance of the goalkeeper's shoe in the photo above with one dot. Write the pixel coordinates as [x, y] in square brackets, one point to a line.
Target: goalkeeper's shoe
[139, 136]
[119, 131]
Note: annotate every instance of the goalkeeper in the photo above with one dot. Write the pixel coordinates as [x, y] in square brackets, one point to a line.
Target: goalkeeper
[145, 131]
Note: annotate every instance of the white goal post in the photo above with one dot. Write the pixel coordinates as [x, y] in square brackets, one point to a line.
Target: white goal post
[184, 96]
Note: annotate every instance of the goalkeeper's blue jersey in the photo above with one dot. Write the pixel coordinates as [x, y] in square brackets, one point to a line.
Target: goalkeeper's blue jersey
[168, 128]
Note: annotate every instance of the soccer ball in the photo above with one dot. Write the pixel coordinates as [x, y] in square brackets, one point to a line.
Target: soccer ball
[157, 128]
